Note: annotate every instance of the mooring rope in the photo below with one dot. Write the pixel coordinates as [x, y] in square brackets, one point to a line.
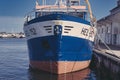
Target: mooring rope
[104, 43]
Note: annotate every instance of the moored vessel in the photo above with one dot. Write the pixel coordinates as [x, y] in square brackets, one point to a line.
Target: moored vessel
[59, 37]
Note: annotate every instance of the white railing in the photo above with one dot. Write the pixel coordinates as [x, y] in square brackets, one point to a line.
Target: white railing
[49, 10]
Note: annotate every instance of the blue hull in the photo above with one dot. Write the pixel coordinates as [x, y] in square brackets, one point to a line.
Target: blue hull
[55, 48]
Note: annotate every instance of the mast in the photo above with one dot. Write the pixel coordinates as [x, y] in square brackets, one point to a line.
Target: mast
[58, 2]
[37, 3]
[44, 2]
[90, 12]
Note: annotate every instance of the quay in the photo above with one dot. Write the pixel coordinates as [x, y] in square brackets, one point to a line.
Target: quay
[107, 62]
[11, 35]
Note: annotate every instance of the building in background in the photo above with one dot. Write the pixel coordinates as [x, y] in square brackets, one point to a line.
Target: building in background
[109, 27]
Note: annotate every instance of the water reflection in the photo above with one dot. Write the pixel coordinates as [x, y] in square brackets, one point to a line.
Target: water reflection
[79, 75]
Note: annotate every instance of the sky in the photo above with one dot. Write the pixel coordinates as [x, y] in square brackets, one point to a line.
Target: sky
[12, 12]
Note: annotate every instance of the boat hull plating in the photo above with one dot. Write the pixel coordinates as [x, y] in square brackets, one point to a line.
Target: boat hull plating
[59, 43]
[59, 67]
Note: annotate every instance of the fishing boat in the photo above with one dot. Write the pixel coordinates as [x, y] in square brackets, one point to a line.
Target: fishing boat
[59, 37]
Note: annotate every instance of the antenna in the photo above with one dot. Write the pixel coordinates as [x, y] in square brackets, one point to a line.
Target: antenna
[44, 2]
[68, 4]
[58, 2]
[37, 3]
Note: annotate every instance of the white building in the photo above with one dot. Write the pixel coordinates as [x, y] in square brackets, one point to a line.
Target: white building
[109, 26]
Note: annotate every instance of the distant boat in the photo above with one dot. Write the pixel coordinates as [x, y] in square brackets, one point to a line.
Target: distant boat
[59, 37]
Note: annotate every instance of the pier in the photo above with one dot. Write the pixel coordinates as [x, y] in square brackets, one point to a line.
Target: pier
[11, 35]
[106, 54]
[107, 62]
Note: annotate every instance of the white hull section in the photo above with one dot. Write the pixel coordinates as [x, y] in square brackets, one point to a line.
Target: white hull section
[69, 28]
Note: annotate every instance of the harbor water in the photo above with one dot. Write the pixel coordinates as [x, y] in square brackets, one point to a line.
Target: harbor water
[14, 65]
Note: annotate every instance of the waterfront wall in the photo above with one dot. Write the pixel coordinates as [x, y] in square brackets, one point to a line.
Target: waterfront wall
[12, 35]
[106, 65]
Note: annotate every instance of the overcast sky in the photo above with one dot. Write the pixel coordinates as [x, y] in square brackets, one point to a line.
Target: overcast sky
[12, 12]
